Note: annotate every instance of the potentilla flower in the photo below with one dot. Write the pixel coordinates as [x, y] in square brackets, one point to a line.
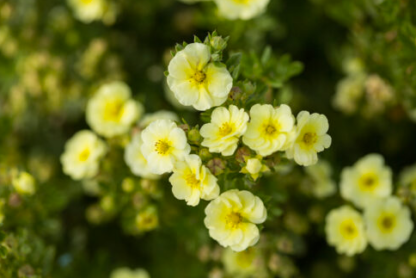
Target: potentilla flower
[124, 272]
[192, 181]
[320, 173]
[196, 81]
[367, 180]
[134, 158]
[221, 135]
[388, 222]
[88, 10]
[232, 217]
[112, 111]
[269, 129]
[164, 143]
[310, 138]
[247, 263]
[82, 155]
[344, 230]
[24, 183]
[241, 9]
[147, 219]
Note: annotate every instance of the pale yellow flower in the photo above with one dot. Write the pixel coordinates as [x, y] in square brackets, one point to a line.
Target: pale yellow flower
[367, 180]
[344, 230]
[269, 129]
[124, 272]
[232, 217]
[323, 185]
[221, 135]
[24, 183]
[254, 167]
[388, 222]
[134, 158]
[82, 155]
[88, 10]
[241, 9]
[164, 143]
[112, 111]
[192, 181]
[348, 93]
[159, 115]
[247, 263]
[196, 81]
[310, 138]
[408, 177]
[147, 219]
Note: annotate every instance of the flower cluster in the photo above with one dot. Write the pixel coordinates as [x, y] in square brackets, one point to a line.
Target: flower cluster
[385, 224]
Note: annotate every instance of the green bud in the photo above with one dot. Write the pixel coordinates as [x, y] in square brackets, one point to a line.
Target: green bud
[194, 136]
[218, 43]
[204, 154]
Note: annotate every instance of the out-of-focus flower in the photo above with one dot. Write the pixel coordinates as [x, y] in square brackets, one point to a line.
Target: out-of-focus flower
[311, 138]
[269, 129]
[124, 272]
[196, 81]
[247, 263]
[241, 9]
[88, 10]
[164, 143]
[192, 181]
[323, 185]
[408, 177]
[367, 180]
[24, 183]
[147, 219]
[111, 111]
[1, 210]
[388, 223]
[134, 158]
[378, 93]
[82, 155]
[159, 115]
[344, 230]
[232, 217]
[221, 135]
[348, 93]
[254, 167]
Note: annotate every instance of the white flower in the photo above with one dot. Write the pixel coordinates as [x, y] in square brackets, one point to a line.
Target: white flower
[221, 135]
[24, 183]
[124, 272]
[88, 10]
[134, 158]
[311, 138]
[164, 143]
[241, 9]
[388, 222]
[344, 229]
[82, 155]
[323, 185]
[367, 180]
[196, 81]
[159, 115]
[192, 181]
[269, 129]
[111, 111]
[232, 217]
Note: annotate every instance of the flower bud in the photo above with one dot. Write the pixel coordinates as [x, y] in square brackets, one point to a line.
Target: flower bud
[216, 166]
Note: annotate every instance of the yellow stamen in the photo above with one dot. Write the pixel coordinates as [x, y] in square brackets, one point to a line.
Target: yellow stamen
[225, 129]
[162, 147]
[83, 156]
[233, 220]
[200, 76]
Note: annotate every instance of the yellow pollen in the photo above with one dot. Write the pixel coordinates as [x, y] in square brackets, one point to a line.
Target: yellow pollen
[162, 147]
[233, 220]
[225, 129]
[83, 156]
[386, 223]
[348, 229]
[309, 138]
[270, 129]
[192, 181]
[368, 181]
[241, 1]
[86, 1]
[200, 76]
[113, 111]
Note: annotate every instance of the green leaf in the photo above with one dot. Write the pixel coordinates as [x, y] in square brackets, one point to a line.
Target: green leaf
[267, 54]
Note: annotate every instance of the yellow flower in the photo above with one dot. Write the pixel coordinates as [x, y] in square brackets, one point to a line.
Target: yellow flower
[344, 229]
[164, 143]
[24, 183]
[367, 180]
[82, 155]
[111, 111]
[88, 10]
[159, 115]
[269, 128]
[134, 158]
[310, 138]
[323, 185]
[241, 9]
[232, 217]
[408, 177]
[348, 93]
[192, 181]
[124, 272]
[147, 219]
[225, 129]
[196, 81]
[388, 222]
[254, 167]
[247, 263]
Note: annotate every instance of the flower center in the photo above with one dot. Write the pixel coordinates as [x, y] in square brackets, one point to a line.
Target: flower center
[192, 181]
[241, 1]
[86, 1]
[225, 129]
[270, 129]
[348, 229]
[113, 110]
[83, 156]
[200, 76]
[387, 223]
[368, 181]
[309, 138]
[233, 220]
[162, 147]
